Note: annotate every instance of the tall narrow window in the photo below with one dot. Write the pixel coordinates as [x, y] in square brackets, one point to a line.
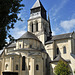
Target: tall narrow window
[20, 45]
[23, 63]
[6, 67]
[29, 67]
[30, 46]
[57, 50]
[36, 26]
[46, 63]
[37, 67]
[16, 67]
[32, 27]
[64, 50]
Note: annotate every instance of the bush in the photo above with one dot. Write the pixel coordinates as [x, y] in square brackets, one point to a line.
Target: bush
[62, 68]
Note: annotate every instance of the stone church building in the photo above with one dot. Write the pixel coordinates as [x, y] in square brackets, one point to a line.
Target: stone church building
[37, 52]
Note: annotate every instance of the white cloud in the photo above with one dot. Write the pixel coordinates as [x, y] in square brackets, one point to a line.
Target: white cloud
[57, 29]
[53, 33]
[67, 25]
[57, 9]
[17, 32]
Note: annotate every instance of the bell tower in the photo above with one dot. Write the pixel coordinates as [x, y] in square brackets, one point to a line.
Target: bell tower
[38, 23]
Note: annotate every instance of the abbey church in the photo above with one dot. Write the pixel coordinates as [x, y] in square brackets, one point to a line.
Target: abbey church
[37, 52]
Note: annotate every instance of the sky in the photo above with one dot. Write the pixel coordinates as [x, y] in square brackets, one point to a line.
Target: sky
[61, 12]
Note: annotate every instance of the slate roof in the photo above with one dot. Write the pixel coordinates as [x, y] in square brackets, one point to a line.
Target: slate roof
[58, 58]
[58, 37]
[28, 35]
[37, 4]
[62, 36]
[13, 54]
[12, 45]
[1, 51]
[49, 42]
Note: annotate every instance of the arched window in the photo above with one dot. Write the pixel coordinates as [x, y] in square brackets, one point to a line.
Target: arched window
[30, 46]
[32, 27]
[37, 67]
[64, 50]
[23, 63]
[16, 67]
[29, 67]
[20, 45]
[6, 66]
[46, 62]
[57, 50]
[36, 26]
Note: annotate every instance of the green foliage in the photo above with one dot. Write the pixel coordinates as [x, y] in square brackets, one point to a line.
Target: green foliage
[9, 10]
[74, 71]
[62, 68]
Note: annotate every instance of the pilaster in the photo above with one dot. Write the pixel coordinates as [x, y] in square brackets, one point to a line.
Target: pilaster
[33, 66]
[34, 26]
[10, 64]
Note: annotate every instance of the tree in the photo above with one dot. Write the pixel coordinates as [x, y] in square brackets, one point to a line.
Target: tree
[74, 71]
[62, 68]
[9, 10]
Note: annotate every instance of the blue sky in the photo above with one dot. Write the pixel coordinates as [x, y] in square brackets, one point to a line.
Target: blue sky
[61, 12]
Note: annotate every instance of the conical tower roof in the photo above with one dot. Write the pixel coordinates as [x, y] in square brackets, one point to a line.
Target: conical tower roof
[28, 35]
[37, 4]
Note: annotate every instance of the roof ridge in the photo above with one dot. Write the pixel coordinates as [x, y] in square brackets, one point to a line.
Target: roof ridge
[32, 33]
[28, 35]
[62, 34]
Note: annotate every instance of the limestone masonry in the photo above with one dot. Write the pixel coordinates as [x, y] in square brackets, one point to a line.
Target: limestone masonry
[37, 52]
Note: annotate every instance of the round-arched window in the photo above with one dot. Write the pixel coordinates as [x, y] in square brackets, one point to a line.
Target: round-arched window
[36, 26]
[37, 67]
[16, 67]
[57, 50]
[32, 27]
[64, 50]
[6, 67]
